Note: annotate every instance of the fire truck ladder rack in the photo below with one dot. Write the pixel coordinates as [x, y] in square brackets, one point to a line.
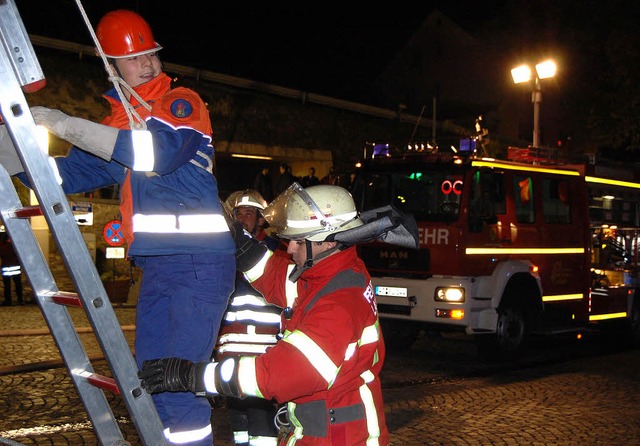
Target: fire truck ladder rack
[20, 71]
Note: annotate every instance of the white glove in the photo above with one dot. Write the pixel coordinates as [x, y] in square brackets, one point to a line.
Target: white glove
[91, 137]
[8, 155]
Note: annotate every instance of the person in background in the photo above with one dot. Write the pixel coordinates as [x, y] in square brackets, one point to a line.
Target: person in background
[285, 179]
[11, 270]
[310, 179]
[330, 178]
[326, 366]
[262, 184]
[157, 145]
[250, 326]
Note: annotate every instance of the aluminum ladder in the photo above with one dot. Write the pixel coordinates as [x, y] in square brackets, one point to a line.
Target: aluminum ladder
[20, 72]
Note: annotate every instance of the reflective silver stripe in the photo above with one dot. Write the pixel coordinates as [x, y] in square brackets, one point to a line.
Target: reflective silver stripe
[290, 288]
[252, 349]
[143, 156]
[250, 333]
[250, 336]
[367, 376]
[373, 428]
[181, 224]
[247, 376]
[314, 223]
[263, 441]
[252, 315]
[256, 272]
[210, 377]
[351, 349]
[8, 271]
[187, 436]
[314, 354]
[248, 299]
[56, 171]
[369, 335]
[240, 437]
[297, 431]
[208, 167]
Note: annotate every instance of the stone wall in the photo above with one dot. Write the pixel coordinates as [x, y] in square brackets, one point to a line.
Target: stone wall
[239, 116]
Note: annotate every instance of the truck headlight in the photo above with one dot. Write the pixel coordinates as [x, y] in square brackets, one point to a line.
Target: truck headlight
[449, 294]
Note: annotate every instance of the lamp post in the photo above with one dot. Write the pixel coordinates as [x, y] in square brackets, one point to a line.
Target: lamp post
[523, 73]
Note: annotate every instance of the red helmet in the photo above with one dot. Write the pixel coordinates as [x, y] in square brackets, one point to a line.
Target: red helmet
[125, 33]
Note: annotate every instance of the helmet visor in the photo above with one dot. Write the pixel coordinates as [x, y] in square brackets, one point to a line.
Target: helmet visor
[294, 212]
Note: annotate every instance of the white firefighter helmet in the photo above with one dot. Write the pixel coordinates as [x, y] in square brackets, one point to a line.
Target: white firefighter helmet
[247, 197]
[315, 213]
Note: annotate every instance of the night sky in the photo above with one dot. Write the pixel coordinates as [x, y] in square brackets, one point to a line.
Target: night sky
[310, 46]
[318, 48]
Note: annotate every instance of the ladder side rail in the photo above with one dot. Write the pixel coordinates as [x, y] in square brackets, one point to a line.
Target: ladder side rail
[19, 51]
[97, 306]
[56, 316]
[79, 264]
[57, 213]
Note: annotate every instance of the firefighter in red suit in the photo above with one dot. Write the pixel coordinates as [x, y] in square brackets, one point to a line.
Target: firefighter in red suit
[326, 367]
[250, 326]
[157, 146]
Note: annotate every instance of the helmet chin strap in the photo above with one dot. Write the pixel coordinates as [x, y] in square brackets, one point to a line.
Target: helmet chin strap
[310, 261]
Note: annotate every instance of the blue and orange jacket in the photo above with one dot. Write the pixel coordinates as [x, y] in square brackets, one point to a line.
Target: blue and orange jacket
[171, 205]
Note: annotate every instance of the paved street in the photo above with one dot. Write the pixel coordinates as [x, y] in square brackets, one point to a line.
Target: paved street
[438, 393]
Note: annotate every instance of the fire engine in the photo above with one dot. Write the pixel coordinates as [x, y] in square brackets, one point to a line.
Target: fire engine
[509, 249]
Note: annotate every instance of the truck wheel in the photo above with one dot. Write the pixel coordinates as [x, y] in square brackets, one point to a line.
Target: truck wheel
[510, 336]
[511, 331]
[399, 335]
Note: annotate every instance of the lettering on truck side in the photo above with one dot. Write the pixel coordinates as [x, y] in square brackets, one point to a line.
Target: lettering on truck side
[435, 236]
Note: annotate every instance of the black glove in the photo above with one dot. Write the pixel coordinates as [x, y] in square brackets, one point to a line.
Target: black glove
[173, 375]
[249, 251]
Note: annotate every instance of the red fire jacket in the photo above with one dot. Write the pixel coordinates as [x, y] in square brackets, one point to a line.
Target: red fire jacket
[328, 363]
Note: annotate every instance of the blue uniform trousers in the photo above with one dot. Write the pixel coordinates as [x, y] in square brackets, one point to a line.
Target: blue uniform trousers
[180, 306]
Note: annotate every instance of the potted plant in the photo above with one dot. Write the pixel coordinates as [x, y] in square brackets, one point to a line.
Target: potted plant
[116, 286]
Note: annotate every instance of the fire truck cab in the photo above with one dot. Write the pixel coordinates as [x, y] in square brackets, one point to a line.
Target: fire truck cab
[508, 249]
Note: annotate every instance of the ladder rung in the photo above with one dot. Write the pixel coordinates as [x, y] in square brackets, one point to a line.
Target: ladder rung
[28, 211]
[100, 381]
[66, 298]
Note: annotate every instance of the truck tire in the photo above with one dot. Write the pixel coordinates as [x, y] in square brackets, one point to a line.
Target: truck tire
[518, 313]
[510, 337]
[512, 330]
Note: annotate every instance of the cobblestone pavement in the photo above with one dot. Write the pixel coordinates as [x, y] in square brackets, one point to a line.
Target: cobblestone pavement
[438, 393]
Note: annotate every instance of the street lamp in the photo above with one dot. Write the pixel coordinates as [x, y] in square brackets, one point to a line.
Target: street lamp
[523, 73]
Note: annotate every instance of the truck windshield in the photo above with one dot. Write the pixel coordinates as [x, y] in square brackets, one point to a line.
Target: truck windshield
[429, 196]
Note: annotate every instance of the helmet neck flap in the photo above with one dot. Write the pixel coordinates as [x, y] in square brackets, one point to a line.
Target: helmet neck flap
[310, 261]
